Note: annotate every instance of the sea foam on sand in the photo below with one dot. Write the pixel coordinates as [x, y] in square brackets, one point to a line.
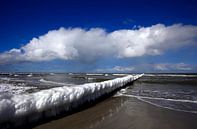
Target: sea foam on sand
[18, 109]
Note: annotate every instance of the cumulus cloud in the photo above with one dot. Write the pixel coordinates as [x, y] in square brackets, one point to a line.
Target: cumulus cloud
[173, 67]
[96, 43]
[160, 67]
[117, 69]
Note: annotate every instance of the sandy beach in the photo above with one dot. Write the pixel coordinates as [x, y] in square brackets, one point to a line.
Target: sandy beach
[124, 113]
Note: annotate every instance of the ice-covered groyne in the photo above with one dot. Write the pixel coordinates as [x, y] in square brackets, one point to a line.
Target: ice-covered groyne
[16, 110]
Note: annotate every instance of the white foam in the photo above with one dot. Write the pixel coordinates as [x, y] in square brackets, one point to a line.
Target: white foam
[14, 89]
[170, 108]
[119, 74]
[29, 75]
[94, 74]
[56, 83]
[67, 97]
[91, 78]
[165, 99]
[5, 78]
[142, 98]
[170, 75]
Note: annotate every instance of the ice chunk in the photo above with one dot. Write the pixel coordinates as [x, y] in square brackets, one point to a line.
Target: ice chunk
[56, 99]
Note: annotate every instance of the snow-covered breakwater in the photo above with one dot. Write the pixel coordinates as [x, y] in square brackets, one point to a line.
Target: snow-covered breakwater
[17, 110]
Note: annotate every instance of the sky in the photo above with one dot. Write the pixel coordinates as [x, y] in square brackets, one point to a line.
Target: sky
[98, 36]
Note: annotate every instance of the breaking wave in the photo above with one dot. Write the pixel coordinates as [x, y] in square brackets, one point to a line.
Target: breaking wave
[119, 74]
[29, 75]
[56, 83]
[5, 79]
[94, 74]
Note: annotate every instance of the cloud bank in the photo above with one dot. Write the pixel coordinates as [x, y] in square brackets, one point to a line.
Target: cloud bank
[96, 43]
[159, 67]
[117, 69]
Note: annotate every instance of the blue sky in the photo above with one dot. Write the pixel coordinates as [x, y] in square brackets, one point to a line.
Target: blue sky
[23, 20]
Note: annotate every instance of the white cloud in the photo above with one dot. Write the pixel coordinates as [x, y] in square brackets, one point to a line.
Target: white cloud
[173, 67]
[95, 43]
[123, 69]
[160, 67]
[118, 69]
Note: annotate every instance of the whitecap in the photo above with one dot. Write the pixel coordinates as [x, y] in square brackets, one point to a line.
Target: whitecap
[14, 89]
[56, 83]
[94, 74]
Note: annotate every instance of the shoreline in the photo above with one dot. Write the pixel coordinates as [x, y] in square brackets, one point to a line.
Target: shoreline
[82, 102]
[124, 112]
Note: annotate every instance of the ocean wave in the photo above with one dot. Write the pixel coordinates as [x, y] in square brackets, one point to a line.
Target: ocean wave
[29, 75]
[5, 78]
[56, 83]
[94, 74]
[145, 99]
[119, 74]
[91, 78]
[54, 100]
[170, 75]
[14, 89]
[166, 107]
[165, 99]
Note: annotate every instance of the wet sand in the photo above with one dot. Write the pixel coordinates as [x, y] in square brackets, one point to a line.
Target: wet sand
[124, 113]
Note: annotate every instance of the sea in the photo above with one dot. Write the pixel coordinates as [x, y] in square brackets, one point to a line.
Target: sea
[165, 101]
